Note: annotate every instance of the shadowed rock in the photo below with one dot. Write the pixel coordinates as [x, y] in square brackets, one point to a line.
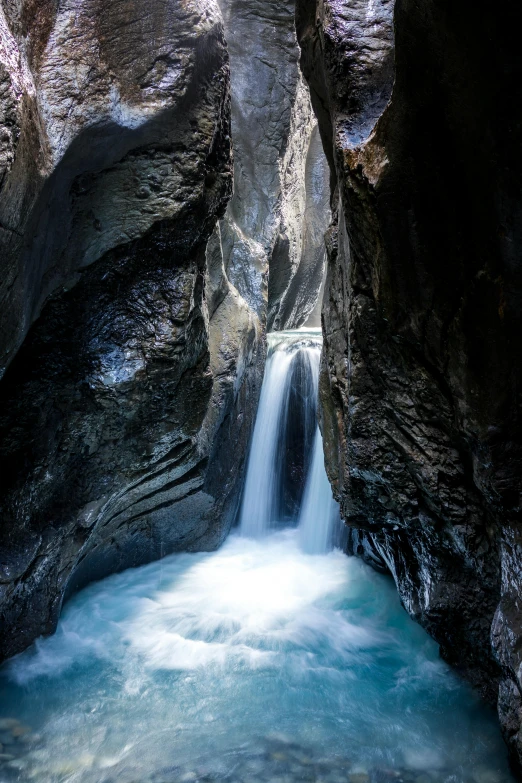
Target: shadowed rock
[422, 375]
[133, 367]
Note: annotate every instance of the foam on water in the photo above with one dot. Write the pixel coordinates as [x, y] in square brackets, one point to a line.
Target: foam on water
[272, 659]
[193, 663]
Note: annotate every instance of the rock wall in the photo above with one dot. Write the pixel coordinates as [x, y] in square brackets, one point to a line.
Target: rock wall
[273, 231]
[131, 366]
[421, 374]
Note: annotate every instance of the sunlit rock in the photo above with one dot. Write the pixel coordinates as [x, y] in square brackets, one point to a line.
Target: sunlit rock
[273, 230]
[128, 378]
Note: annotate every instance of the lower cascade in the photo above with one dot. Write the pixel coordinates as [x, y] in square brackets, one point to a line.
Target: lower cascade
[277, 658]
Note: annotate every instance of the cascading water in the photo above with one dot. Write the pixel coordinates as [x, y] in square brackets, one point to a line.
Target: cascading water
[319, 512]
[259, 508]
[292, 372]
[257, 663]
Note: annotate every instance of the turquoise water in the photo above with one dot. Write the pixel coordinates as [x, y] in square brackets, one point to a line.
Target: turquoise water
[257, 662]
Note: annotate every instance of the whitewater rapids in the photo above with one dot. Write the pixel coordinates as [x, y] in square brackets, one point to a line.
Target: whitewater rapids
[200, 663]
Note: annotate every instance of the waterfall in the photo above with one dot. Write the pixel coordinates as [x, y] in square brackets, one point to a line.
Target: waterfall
[319, 512]
[286, 480]
[267, 660]
[259, 498]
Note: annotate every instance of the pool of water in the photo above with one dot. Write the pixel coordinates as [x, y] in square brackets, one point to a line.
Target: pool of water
[254, 663]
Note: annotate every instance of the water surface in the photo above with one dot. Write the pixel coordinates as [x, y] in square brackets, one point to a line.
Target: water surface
[274, 659]
[257, 662]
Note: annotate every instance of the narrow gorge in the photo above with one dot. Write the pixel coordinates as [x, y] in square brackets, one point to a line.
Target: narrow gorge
[260, 391]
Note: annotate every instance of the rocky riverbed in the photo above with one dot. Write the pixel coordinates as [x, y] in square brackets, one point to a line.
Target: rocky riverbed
[273, 759]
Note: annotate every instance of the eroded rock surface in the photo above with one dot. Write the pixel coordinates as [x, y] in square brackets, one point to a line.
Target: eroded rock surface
[422, 375]
[273, 231]
[133, 366]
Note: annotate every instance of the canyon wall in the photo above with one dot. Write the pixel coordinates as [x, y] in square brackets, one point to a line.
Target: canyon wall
[138, 284]
[421, 374]
[131, 366]
[273, 230]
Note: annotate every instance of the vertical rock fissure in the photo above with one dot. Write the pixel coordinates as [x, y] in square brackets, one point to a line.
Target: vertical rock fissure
[272, 233]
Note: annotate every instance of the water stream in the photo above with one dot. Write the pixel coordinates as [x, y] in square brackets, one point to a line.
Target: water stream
[287, 431]
[276, 658]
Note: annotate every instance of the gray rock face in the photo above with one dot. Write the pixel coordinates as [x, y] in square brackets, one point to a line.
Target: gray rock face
[133, 366]
[273, 231]
[93, 112]
[421, 375]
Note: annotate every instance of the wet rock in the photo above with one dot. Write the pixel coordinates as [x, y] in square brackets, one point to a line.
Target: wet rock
[132, 347]
[273, 231]
[421, 377]
[296, 438]
[127, 376]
